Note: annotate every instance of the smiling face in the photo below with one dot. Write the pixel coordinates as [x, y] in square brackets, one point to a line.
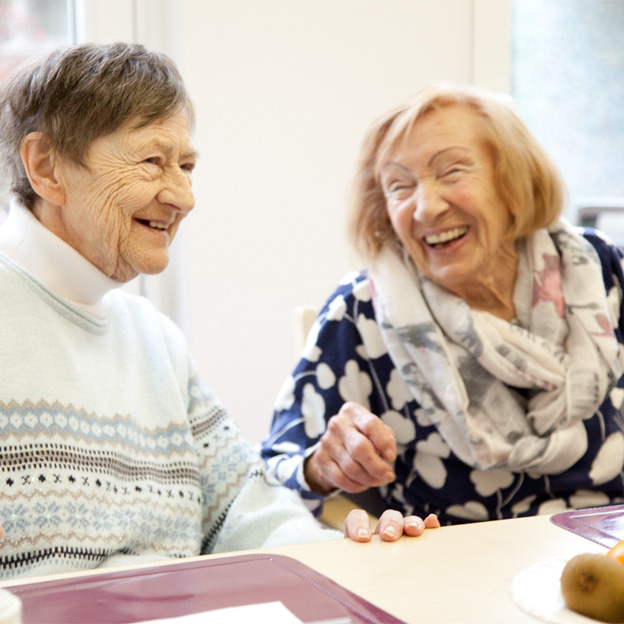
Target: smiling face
[122, 211]
[438, 181]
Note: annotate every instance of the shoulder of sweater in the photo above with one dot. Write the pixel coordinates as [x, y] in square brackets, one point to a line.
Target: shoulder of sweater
[142, 309]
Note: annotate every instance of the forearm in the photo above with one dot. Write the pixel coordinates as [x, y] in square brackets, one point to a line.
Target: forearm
[265, 515]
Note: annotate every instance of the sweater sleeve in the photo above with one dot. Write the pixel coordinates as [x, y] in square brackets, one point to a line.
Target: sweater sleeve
[267, 515]
[334, 368]
[240, 509]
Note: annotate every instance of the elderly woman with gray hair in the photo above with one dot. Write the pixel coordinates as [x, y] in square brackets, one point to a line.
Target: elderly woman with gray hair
[113, 450]
[475, 369]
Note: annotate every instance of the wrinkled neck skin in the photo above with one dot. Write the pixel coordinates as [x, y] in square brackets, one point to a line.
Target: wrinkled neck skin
[493, 291]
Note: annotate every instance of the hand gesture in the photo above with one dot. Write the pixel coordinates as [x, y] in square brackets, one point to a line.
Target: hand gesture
[353, 453]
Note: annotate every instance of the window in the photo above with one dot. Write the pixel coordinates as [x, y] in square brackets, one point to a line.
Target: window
[31, 26]
[567, 69]
[28, 27]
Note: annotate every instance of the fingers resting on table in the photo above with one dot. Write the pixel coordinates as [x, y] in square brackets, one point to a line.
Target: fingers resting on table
[390, 527]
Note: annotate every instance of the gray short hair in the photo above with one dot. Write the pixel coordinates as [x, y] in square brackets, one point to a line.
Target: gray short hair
[77, 94]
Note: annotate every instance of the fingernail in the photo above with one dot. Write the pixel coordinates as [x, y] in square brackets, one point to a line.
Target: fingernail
[389, 476]
[416, 523]
[363, 534]
[390, 455]
[390, 531]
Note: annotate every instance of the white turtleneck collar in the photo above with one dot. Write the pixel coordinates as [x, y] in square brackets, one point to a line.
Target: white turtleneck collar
[54, 263]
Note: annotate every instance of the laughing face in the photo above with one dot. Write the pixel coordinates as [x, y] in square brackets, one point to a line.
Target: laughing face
[123, 209]
[443, 205]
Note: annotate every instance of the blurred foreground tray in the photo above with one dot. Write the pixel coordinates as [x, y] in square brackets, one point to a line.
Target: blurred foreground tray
[603, 525]
[193, 587]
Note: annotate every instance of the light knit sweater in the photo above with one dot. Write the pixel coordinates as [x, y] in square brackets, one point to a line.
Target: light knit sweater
[111, 448]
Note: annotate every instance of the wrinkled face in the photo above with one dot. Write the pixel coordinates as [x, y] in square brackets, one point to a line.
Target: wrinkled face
[122, 211]
[441, 199]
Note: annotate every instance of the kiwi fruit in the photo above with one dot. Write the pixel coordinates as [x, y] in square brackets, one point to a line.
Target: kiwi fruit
[593, 585]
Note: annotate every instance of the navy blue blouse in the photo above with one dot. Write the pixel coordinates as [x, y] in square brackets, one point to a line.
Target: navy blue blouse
[345, 360]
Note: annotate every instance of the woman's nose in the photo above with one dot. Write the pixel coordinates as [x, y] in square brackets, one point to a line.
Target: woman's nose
[177, 190]
[429, 203]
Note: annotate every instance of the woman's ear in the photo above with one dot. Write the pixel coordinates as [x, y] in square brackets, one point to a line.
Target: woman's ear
[41, 163]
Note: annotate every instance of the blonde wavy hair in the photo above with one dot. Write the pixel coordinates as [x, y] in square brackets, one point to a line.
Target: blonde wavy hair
[526, 179]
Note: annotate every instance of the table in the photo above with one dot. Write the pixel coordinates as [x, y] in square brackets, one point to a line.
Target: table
[458, 574]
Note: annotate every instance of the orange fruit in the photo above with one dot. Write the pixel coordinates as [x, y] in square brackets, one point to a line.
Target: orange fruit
[617, 552]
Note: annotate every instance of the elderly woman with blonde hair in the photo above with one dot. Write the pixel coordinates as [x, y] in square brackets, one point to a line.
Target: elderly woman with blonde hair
[475, 368]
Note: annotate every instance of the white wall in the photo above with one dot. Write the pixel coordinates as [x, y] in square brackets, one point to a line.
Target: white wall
[284, 90]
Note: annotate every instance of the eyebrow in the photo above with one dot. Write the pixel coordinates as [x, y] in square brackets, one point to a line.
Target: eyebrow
[192, 153]
[393, 163]
[448, 149]
[166, 146]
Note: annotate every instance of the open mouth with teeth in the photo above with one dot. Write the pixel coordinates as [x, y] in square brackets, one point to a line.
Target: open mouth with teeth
[153, 224]
[444, 239]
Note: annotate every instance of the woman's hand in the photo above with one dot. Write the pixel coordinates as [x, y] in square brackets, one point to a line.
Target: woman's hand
[391, 526]
[353, 453]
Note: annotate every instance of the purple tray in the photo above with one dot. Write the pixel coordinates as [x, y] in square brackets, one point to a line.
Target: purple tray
[603, 525]
[193, 587]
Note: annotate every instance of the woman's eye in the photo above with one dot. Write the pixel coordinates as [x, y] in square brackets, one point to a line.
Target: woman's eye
[188, 167]
[453, 171]
[398, 188]
[151, 161]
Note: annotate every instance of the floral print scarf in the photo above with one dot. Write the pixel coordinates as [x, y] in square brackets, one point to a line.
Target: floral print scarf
[507, 394]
